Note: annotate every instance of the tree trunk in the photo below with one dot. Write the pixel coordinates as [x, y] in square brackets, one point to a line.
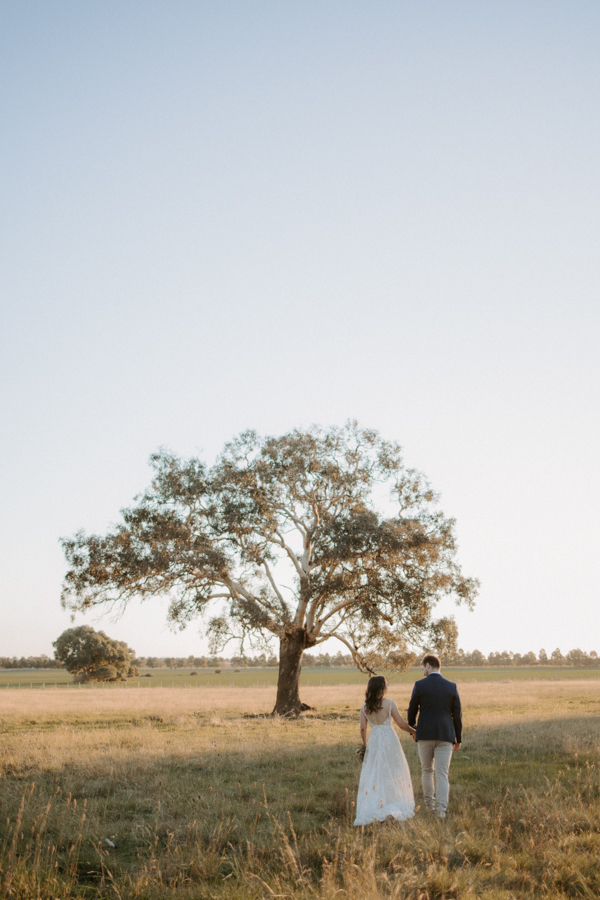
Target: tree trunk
[291, 648]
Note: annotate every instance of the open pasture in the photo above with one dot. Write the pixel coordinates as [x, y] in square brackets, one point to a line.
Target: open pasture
[311, 677]
[203, 798]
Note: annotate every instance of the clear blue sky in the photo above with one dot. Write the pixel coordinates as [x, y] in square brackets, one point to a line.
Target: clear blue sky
[224, 215]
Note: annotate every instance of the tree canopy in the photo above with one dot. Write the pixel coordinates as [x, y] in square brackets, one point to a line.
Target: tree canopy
[283, 536]
[93, 656]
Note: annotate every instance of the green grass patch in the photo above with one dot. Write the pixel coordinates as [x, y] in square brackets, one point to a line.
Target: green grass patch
[13, 679]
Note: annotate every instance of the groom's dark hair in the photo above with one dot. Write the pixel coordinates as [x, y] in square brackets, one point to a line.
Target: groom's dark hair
[433, 661]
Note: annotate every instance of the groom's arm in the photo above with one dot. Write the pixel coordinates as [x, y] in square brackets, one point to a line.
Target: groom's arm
[457, 717]
[413, 708]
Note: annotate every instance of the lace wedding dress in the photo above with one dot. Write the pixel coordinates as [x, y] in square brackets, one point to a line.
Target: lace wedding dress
[385, 787]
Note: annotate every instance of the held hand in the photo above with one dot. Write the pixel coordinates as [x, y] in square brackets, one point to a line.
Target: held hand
[455, 747]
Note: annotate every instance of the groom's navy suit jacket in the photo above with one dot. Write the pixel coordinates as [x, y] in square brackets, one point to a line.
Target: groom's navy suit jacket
[438, 704]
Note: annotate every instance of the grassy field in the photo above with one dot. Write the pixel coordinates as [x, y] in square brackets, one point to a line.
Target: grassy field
[311, 677]
[203, 798]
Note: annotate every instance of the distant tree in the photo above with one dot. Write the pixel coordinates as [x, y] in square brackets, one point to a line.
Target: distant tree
[578, 658]
[543, 657]
[203, 536]
[196, 661]
[258, 662]
[505, 658]
[476, 658]
[92, 655]
[557, 658]
[175, 662]
[214, 661]
[529, 659]
[455, 658]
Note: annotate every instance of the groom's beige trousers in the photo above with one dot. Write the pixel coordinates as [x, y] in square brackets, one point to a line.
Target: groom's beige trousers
[435, 756]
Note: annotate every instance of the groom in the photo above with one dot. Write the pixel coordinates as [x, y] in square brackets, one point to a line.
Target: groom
[439, 731]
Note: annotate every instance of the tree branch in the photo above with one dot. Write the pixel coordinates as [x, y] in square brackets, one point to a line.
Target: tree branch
[332, 612]
[297, 522]
[352, 649]
[273, 583]
[289, 552]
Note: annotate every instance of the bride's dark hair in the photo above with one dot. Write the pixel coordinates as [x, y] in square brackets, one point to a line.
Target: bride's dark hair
[374, 695]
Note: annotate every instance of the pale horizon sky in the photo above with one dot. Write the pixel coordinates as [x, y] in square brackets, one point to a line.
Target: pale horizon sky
[220, 216]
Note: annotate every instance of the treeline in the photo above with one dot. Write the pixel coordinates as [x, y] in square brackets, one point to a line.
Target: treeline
[576, 658]
[237, 662]
[203, 662]
[324, 659]
[29, 662]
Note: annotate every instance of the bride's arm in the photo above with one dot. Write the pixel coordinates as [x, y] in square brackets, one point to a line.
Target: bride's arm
[400, 721]
[363, 727]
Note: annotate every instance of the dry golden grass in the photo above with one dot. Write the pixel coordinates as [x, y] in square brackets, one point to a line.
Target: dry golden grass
[201, 802]
[489, 701]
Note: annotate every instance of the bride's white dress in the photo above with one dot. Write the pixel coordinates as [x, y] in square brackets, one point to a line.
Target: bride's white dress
[385, 787]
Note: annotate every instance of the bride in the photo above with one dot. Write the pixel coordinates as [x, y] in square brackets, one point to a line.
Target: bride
[385, 787]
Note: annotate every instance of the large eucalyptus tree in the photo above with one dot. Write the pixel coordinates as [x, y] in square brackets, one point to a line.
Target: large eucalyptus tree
[283, 536]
